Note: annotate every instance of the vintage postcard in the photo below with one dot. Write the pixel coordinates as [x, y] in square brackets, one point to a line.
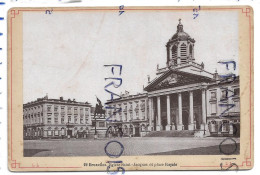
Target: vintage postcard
[130, 88]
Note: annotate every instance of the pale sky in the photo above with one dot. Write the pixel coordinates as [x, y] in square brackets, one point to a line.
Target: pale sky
[64, 53]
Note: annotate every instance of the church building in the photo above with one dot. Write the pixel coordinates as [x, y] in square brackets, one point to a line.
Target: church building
[184, 98]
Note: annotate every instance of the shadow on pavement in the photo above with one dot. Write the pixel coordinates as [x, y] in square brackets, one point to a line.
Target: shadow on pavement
[31, 152]
[211, 150]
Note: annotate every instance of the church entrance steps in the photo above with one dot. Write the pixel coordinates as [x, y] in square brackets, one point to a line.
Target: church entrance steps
[173, 133]
[201, 133]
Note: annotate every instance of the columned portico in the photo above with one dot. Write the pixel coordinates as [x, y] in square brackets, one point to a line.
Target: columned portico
[179, 125]
[168, 126]
[159, 119]
[191, 117]
[180, 110]
[181, 97]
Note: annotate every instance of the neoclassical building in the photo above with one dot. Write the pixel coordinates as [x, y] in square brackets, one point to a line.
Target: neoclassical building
[183, 96]
[56, 118]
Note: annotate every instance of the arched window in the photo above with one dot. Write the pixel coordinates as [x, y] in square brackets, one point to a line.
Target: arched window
[174, 52]
[183, 50]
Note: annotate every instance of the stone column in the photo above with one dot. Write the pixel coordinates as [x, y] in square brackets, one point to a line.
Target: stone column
[153, 117]
[180, 125]
[191, 124]
[203, 106]
[145, 110]
[150, 114]
[159, 126]
[168, 126]
[140, 111]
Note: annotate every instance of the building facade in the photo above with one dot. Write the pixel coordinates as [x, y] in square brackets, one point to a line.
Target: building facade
[183, 96]
[56, 118]
[130, 113]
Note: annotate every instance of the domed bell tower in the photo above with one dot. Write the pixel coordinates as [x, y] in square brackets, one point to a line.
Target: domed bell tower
[180, 48]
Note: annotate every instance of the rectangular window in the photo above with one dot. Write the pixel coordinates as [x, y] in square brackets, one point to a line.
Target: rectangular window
[86, 120]
[49, 133]
[56, 108]
[69, 119]
[143, 115]
[125, 116]
[56, 120]
[75, 120]
[69, 110]
[62, 120]
[213, 108]
[81, 121]
[125, 109]
[48, 108]
[75, 110]
[131, 116]
[81, 111]
[120, 116]
[101, 124]
[224, 94]
[213, 95]
[56, 132]
[86, 111]
[236, 92]
[62, 109]
[49, 120]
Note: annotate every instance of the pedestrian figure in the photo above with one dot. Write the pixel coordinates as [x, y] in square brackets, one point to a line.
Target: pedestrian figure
[120, 132]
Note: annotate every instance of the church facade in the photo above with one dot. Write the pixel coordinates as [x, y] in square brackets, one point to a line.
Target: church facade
[183, 96]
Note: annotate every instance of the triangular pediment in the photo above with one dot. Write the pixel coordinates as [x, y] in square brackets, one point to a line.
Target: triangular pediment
[175, 78]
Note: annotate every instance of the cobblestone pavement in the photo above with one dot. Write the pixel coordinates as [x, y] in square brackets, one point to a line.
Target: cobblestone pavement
[132, 146]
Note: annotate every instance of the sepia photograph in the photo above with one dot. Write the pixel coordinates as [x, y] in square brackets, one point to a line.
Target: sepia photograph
[138, 88]
[170, 91]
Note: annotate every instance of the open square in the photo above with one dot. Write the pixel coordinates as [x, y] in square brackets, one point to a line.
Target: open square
[132, 146]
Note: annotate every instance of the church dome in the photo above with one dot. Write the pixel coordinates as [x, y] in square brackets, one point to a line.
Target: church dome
[180, 35]
[180, 47]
